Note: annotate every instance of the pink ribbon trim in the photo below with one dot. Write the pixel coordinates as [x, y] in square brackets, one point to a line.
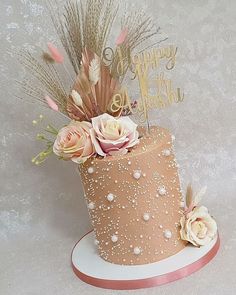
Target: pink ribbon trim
[149, 282]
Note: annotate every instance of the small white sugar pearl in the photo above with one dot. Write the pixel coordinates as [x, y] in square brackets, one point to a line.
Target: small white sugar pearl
[90, 170]
[96, 242]
[137, 174]
[114, 238]
[173, 137]
[110, 197]
[91, 205]
[137, 250]
[162, 191]
[166, 153]
[167, 234]
[146, 216]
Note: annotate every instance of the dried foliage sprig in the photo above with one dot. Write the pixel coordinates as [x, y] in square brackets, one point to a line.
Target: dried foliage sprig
[45, 75]
[32, 91]
[137, 29]
[49, 141]
[192, 200]
[83, 25]
[84, 28]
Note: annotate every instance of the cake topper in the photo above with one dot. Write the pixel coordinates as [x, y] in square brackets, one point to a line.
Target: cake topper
[141, 64]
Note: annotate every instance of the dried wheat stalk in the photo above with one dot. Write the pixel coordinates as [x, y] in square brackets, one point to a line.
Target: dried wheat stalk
[83, 26]
[46, 76]
[141, 29]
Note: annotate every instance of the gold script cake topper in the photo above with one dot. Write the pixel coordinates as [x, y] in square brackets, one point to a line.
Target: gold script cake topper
[141, 64]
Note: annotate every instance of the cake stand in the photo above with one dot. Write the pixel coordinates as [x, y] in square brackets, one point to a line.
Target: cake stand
[92, 269]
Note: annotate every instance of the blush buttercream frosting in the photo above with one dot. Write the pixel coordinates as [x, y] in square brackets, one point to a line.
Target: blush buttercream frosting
[134, 201]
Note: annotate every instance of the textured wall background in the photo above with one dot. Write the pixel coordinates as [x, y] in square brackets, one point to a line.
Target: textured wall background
[42, 212]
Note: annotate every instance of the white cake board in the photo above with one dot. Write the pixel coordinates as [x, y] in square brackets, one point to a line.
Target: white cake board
[92, 269]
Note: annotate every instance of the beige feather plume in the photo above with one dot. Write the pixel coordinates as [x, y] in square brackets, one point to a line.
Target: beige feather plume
[94, 71]
[96, 87]
[198, 197]
[76, 98]
[189, 196]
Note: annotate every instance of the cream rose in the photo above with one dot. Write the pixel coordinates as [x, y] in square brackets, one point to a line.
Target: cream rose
[74, 142]
[198, 227]
[112, 136]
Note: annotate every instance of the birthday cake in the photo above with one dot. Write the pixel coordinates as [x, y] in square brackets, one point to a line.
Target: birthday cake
[134, 201]
[128, 168]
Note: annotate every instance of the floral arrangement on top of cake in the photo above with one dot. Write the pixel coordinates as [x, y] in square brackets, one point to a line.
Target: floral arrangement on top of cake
[90, 92]
[95, 99]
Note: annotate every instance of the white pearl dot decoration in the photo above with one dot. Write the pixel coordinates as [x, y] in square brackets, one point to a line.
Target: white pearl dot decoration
[137, 250]
[162, 191]
[110, 197]
[173, 137]
[96, 242]
[146, 216]
[137, 174]
[114, 238]
[91, 205]
[166, 153]
[90, 170]
[167, 234]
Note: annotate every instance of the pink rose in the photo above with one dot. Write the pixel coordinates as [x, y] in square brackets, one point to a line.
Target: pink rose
[74, 142]
[198, 227]
[112, 136]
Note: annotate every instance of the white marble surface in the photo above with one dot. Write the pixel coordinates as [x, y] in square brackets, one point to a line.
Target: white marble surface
[42, 212]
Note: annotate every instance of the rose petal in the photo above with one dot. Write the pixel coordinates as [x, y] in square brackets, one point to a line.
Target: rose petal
[96, 143]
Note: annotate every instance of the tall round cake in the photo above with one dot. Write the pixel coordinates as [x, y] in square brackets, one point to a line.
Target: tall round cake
[134, 201]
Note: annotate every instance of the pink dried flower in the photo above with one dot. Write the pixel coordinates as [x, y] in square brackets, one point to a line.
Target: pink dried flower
[55, 54]
[122, 37]
[51, 103]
